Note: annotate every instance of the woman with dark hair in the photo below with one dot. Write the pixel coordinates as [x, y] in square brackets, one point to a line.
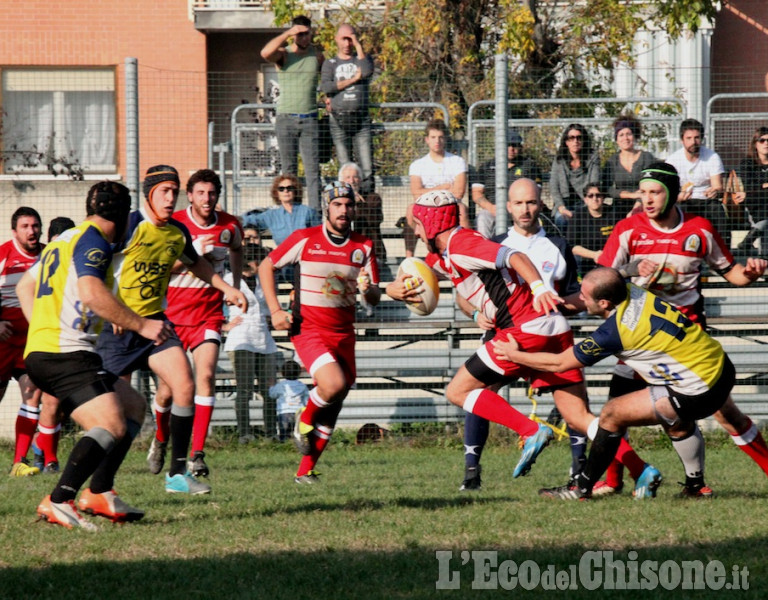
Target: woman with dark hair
[622, 171]
[753, 172]
[289, 214]
[574, 166]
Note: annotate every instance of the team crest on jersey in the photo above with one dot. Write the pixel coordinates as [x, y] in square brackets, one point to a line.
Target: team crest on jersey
[547, 266]
[335, 284]
[590, 347]
[692, 243]
[96, 257]
[226, 236]
[357, 257]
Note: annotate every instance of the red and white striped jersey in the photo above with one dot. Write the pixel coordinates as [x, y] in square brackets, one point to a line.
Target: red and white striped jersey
[679, 252]
[327, 289]
[477, 268]
[190, 300]
[14, 262]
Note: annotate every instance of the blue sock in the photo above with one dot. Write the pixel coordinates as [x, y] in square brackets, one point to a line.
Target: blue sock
[475, 435]
[578, 451]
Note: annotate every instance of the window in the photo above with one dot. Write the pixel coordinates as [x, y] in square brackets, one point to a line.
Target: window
[58, 121]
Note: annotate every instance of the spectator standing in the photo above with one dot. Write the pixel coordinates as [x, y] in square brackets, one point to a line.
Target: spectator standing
[483, 188]
[701, 177]
[250, 347]
[345, 80]
[291, 395]
[590, 227]
[753, 171]
[622, 171]
[574, 166]
[437, 170]
[298, 65]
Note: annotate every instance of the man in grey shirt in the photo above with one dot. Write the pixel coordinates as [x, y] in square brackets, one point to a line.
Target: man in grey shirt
[345, 80]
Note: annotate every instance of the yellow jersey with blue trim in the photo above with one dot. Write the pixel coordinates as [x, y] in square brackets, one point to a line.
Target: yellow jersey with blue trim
[143, 262]
[61, 322]
[659, 342]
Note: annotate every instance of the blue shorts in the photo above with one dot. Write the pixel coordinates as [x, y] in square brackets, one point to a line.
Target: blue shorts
[129, 352]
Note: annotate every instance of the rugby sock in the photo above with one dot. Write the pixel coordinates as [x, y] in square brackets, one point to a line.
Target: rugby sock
[48, 441]
[103, 479]
[627, 456]
[690, 449]
[162, 422]
[751, 442]
[26, 425]
[603, 450]
[614, 474]
[83, 460]
[203, 414]
[320, 438]
[475, 435]
[315, 404]
[578, 451]
[182, 418]
[491, 406]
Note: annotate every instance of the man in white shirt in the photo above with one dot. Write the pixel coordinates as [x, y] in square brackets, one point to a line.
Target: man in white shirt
[701, 177]
[438, 170]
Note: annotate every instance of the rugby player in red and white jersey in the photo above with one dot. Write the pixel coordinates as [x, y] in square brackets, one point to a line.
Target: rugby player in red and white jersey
[663, 249]
[334, 264]
[196, 310]
[498, 281]
[17, 255]
[553, 258]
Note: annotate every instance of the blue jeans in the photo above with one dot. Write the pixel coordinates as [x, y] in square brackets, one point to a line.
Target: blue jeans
[352, 130]
[296, 134]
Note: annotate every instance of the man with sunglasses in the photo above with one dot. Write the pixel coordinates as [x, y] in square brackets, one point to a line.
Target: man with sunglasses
[334, 263]
[591, 225]
[298, 66]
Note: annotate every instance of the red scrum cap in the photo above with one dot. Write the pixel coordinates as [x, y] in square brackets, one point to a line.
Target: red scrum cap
[438, 211]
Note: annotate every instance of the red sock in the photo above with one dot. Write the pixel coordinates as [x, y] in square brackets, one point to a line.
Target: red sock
[162, 421]
[203, 414]
[629, 458]
[752, 443]
[320, 438]
[614, 474]
[491, 406]
[48, 442]
[26, 425]
[315, 404]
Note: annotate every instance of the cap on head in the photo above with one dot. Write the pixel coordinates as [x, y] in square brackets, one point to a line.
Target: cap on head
[438, 211]
[157, 175]
[667, 176]
[334, 190]
[111, 201]
[514, 138]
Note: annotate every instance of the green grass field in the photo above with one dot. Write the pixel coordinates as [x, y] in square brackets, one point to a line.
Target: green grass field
[371, 529]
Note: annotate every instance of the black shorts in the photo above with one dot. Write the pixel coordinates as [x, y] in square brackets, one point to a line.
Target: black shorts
[123, 354]
[693, 408]
[72, 377]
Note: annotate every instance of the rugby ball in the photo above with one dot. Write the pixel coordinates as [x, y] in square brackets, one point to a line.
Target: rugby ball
[429, 290]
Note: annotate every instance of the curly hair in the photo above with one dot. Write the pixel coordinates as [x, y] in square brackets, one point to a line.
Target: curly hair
[294, 182]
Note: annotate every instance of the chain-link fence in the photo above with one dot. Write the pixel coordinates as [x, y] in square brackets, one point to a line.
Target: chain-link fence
[62, 130]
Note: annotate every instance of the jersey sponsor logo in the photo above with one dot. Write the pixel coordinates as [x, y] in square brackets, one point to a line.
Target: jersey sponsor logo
[316, 250]
[357, 257]
[631, 316]
[335, 284]
[96, 258]
[547, 266]
[590, 347]
[226, 236]
[692, 243]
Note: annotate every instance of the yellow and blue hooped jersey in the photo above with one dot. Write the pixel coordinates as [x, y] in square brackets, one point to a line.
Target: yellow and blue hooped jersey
[660, 343]
[60, 322]
[144, 261]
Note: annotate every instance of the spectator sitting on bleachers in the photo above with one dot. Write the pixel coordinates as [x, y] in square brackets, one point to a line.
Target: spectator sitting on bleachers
[574, 166]
[622, 171]
[753, 171]
[368, 210]
[590, 227]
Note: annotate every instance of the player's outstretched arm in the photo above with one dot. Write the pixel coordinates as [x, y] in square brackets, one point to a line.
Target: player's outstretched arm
[541, 361]
[544, 298]
[746, 274]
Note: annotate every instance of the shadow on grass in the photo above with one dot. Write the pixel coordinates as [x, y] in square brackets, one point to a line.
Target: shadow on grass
[410, 573]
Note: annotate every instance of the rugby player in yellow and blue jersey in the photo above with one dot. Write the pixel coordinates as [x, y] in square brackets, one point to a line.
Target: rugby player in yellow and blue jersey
[143, 264]
[65, 298]
[689, 374]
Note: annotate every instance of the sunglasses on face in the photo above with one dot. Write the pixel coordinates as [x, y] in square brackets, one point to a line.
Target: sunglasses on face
[595, 196]
[761, 141]
[286, 188]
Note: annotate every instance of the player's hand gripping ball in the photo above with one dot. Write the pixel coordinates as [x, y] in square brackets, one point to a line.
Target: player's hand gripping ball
[429, 289]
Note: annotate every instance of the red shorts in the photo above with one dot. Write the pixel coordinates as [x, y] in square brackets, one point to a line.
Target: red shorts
[192, 336]
[485, 366]
[12, 358]
[318, 348]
